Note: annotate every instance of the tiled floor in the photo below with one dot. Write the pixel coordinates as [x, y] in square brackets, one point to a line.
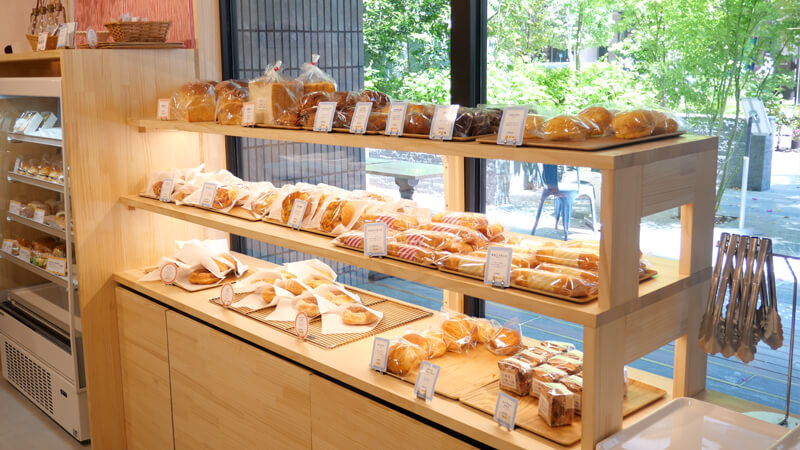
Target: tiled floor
[23, 426]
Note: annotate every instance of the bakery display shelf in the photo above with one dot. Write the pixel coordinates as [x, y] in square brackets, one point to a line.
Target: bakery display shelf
[349, 365]
[30, 87]
[592, 144]
[46, 55]
[19, 137]
[57, 232]
[18, 178]
[667, 283]
[637, 154]
[61, 281]
[48, 300]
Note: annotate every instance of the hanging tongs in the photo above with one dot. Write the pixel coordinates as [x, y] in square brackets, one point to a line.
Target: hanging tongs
[728, 334]
[772, 333]
[747, 344]
[715, 300]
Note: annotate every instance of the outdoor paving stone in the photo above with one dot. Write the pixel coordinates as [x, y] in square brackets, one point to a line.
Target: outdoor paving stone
[726, 364]
[773, 401]
[560, 327]
[502, 313]
[652, 367]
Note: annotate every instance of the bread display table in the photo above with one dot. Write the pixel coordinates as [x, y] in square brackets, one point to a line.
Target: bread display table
[626, 322]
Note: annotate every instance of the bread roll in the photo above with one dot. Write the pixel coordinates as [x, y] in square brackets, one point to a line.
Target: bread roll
[404, 357]
[633, 124]
[598, 118]
[565, 128]
[358, 315]
[457, 334]
[533, 126]
[379, 99]
[308, 306]
[433, 344]
[664, 122]
[485, 330]
[505, 341]
[338, 212]
[199, 276]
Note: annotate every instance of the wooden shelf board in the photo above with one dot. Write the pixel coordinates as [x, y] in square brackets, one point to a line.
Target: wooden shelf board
[607, 159]
[47, 55]
[36, 182]
[349, 364]
[61, 281]
[30, 86]
[59, 233]
[19, 137]
[588, 314]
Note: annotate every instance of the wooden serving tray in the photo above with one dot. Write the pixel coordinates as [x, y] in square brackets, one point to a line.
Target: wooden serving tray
[463, 373]
[455, 139]
[280, 127]
[638, 396]
[589, 145]
[118, 45]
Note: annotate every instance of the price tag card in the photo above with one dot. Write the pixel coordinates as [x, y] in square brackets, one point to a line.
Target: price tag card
[375, 239]
[505, 411]
[38, 215]
[168, 273]
[208, 194]
[301, 325]
[358, 123]
[163, 109]
[25, 254]
[226, 295]
[56, 266]
[63, 32]
[297, 214]
[380, 354]
[17, 163]
[396, 120]
[41, 44]
[444, 119]
[14, 207]
[498, 267]
[512, 126]
[248, 114]
[8, 245]
[323, 120]
[166, 190]
[425, 386]
[261, 104]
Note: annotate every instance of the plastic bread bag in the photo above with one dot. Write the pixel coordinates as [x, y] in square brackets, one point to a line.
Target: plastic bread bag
[307, 106]
[304, 192]
[665, 122]
[545, 373]
[377, 121]
[231, 96]
[430, 340]
[586, 259]
[506, 340]
[338, 215]
[476, 221]
[275, 95]
[310, 269]
[469, 265]
[378, 99]
[393, 221]
[458, 331]
[463, 122]
[350, 239]
[226, 196]
[274, 211]
[411, 253]
[432, 240]
[566, 128]
[262, 196]
[537, 355]
[195, 102]
[555, 283]
[516, 376]
[343, 117]
[633, 124]
[534, 126]
[566, 363]
[561, 347]
[599, 118]
[575, 385]
[589, 276]
[468, 235]
[418, 119]
[520, 259]
[404, 357]
[156, 180]
[315, 79]
[29, 165]
[485, 120]
[556, 404]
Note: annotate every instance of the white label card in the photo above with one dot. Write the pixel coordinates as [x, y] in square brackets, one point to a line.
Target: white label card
[358, 124]
[261, 104]
[208, 194]
[498, 267]
[323, 119]
[25, 254]
[248, 114]
[226, 295]
[63, 32]
[38, 215]
[425, 386]
[505, 411]
[168, 273]
[57, 266]
[8, 245]
[301, 325]
[444, 119]
[17, 163]
[14, 207]
[41, 44]
[298, 213]
[163, 109]
[375, 239]
[166, 190]
[380, 354]
[512, 126]
[396, 119]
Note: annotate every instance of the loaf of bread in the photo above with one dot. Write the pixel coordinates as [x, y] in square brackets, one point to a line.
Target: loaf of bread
[586, 259]
[467, 235]
[598, 119]
[404, 357]
[537, 355]
[506, 341]
[466, 264]
[231, 96]
[534, 125]
[588, 276]
[516, 375]
[274, 100]
[195, 102]
[379, 99]
[411, 253]
[556, 405]
[575, 385]
[565, 128]
[633, 124]
[566, 363]
[545, 373]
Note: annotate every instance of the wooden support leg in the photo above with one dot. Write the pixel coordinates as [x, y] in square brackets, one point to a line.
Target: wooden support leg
[603, 387]
[454, 201]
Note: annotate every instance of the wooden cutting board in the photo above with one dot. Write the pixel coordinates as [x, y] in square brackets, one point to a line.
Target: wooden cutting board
[484, 399]
[463, 373]
[589, 145]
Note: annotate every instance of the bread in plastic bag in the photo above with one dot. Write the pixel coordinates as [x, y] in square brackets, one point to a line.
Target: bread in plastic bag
[587, 259]
[557, 345]
[506, 340]
[516, 376]
[466, 264]
[566, 363]
[231, 96]
[552, 282]
[485, 121]
[404, 357]
[459, 332]
[537, 355]
[575, 385]
[433, 240]
[665, 122]
[534, 126]
[379, 99]
[315, 79]
[274, 95]
[556, 404]
[588, 276]
[429, 340]
[599, 120]
[195, 102]
[633, 124]
[418, 119]
[394, 221]
[545, 373]
[468, 235]
[565, 128]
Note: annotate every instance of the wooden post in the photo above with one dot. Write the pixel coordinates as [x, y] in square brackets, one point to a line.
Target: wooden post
[603, 387]
[454, 201]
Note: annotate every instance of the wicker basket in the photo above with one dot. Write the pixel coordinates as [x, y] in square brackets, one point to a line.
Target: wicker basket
[33, 39]
[150, 31]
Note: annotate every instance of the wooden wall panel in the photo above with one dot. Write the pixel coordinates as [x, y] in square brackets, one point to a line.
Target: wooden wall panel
[229, 394]
[145, 371]
[108, 158]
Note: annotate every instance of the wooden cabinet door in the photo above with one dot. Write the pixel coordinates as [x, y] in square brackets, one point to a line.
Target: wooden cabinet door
[145, 371]
[230, 394]
[342, 418]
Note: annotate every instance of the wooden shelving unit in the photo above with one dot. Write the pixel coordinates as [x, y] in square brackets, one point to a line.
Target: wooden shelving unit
[53, 231]
[627, 321]
[38, 182]
[59, 280]
[19, 137]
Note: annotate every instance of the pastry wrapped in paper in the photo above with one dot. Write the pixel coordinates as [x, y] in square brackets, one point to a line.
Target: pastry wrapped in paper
[552, 282]
[573, 257]
[588, 276]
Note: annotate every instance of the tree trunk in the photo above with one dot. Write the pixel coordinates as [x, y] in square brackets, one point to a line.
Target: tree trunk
[579, 39]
